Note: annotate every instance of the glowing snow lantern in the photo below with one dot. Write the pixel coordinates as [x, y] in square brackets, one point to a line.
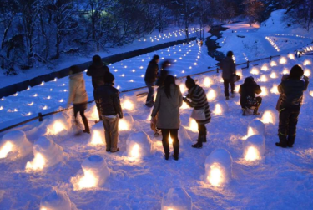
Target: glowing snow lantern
[1, 107]
[184, 106]
[218, 109]
[126, 123]
[274, 90]
[273, 63]
[307, 62]
[237, 88]
[193, 125]
[211, 95]
[176, 199]
[141, 67]
[273, 75]
[182, 88]
[30, 104]
[264, 67]
[263, 91]
[254, 71]
[218, 168]
[268, 117]
[307, 72]
[257, 127]
[128, 105]
[15, 141]
[56, 200]
[263, 78]
[311, 93]
[96, 172]
[46, 154]
[254, 148]
[58, 126]
[285, 72]
[249, 133]
[291, 56]
[138, 145]
[283, 60]
[207, 82]
[97, 135]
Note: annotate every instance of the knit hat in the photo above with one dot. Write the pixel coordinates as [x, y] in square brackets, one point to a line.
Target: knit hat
[296, 72]
[189, 82]
[96, 59]
[108, 78]
[75, 69]
[156, 57]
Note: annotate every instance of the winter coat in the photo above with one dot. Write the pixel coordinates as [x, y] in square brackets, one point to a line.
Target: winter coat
[77, 91]
[168, 108]
[97, 72]
[229, 68]
[291, 93]
[249, 88]
[199, 101]
[108, 101]
[161, 78]
[152, 72]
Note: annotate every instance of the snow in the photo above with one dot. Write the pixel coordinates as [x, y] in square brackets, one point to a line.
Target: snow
[176, 199]
[218, 168]
[57, 200]
[15, 144]
[139, 145]
[254, 148]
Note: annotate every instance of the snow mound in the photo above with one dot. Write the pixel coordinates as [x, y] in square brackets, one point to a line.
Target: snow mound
[218, 168]
[176, 198]
[60, 125]
[127, 123]
[57, 200]
[139, 145]
[15, 141]
[46, 154]
[95, 173]
[97, 137]
[220, 108]
[257, 127]
[254, 148]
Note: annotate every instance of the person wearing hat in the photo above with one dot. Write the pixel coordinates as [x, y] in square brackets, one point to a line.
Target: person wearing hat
[197, 99]
[291, 91]
[97, 70]
[108, 102]
[247, 96]
[150, 78]
[77, 95]
[229, 70]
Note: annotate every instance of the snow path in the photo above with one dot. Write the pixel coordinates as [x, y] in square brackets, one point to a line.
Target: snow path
[284, 180]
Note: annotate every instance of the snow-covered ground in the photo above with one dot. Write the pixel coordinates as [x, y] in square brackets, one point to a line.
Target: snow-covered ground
[272, 37]
[282, 180]
[187, 59]
[169, 35]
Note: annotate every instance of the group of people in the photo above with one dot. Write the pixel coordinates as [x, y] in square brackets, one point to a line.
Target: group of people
[165, 114]
[291, 91]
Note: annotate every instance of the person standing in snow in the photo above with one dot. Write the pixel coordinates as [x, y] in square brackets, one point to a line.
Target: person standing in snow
[150, 78]
[108, 102]
[247, 96]
[97, 70]
[78, 95]
[168, 101]
[229, 72]
[197, 99]
[291, 90]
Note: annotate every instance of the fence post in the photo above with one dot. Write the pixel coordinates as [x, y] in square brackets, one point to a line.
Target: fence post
[40, 117]
[248, 64]
[270, 57]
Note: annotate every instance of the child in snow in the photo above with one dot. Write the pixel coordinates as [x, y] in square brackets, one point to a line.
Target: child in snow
[150, 78]
[201, 112]
[78, 95]
[108, 102]
[247, 96]
[291, 89]
[168, 101]
[229, 72]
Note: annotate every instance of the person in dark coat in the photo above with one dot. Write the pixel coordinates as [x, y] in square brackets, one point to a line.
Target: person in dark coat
[163, 73]
[150, 78]
[168, 101]
[291, 89]
[197, 99]
[247, 96]
[97, 70]
[108, 102]
[229, 72]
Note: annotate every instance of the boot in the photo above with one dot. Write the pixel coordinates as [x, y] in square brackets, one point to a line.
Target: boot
[282, 141]
[291, 140]
[227, 98]
[198, 145]
[202, 138]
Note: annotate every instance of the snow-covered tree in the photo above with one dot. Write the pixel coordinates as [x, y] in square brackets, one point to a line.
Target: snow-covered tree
[253, 9]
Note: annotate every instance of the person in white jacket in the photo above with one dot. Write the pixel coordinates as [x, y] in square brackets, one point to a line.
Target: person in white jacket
[78, 95]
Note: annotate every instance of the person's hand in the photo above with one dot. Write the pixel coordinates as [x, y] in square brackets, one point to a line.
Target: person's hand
[306, 78]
